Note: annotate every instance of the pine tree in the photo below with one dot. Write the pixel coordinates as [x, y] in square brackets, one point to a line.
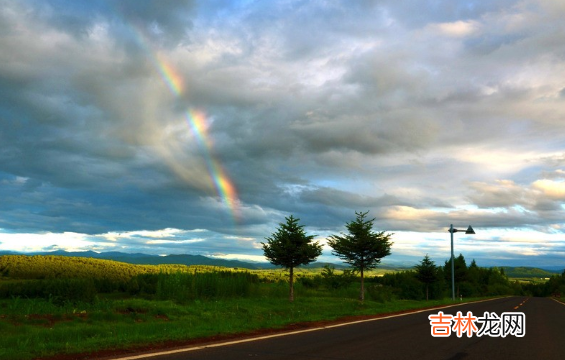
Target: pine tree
[291, 247]
[460, 266]
[426, 272]
[362, 248]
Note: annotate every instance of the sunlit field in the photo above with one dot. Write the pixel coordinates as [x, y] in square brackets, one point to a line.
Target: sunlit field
[62, 305]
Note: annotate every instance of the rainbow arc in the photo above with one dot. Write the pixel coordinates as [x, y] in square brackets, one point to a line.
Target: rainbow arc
[198, 125]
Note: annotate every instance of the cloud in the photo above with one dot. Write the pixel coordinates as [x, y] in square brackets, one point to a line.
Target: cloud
[456, 29]
[449, 112]
[504, 193]
[550, 188]
[542, 195]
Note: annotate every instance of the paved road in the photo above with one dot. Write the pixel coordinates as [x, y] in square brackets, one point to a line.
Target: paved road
[409, 337]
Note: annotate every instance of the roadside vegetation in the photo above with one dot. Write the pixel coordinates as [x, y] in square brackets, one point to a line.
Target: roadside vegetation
[52, 305]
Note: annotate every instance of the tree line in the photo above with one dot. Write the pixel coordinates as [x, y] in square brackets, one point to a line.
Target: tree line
[363, 248]
[430, 281]
[289, 246]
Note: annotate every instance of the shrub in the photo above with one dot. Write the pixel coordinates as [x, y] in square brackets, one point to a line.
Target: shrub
[59, 291]
[144, 284]
[205, 285]
[334, 281]
[380, 293]
[310, 282]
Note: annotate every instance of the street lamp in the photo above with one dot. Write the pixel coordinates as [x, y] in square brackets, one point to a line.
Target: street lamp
[451, 231]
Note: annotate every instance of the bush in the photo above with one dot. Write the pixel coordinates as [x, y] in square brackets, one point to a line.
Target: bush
[206, 285]
[498, 289]
[334, 281]
[59, 291]
[380, 293]
[405, 285]
[310, 282]
[144, 284]
[467, 289]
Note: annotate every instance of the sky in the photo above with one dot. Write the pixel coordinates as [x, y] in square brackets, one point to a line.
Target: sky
[172, 127]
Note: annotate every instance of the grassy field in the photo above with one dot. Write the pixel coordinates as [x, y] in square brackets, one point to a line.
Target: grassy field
[37, 328]
[53, 305]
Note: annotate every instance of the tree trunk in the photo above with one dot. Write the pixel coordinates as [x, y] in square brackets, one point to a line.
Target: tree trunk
[362, 297]
[291, 296]
[426, 292]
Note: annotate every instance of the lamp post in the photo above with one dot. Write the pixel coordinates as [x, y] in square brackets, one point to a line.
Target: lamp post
[451, 231]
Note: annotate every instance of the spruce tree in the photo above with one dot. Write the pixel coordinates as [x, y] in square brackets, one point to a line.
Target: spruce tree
[426, 272]
[290, 247]
[362, 248]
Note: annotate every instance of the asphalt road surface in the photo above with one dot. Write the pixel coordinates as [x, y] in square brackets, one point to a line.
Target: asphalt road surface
[409, 337]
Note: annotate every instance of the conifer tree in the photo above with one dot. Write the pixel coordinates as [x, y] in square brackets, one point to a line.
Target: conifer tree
[362, 248]
[426, 272]
[291, 247]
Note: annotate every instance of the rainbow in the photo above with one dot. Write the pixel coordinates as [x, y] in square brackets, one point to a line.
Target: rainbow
[197, 122]
[168, 74]
[224, 186]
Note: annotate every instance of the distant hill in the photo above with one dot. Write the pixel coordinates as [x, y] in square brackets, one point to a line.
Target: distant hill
[182, 259]
[554, 269]
[528, 272]
[145, 259]
[187, 259]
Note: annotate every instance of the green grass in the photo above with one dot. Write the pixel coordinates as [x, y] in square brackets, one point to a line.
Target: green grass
[38, 328]
[124, 306]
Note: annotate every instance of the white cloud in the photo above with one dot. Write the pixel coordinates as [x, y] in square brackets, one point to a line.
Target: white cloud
[555, 190]
[457, 29]
[34, 242]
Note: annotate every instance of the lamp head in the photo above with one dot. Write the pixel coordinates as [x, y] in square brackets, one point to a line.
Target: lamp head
[470, 230]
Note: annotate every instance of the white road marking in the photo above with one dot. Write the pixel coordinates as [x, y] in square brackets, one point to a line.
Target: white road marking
[557, 301]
